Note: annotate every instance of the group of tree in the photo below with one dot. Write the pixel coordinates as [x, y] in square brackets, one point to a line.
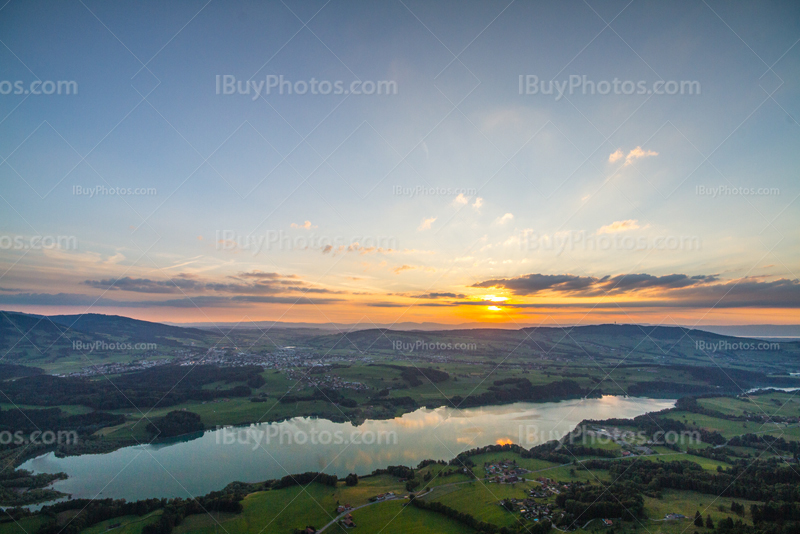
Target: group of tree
[175, 423]
[304, 479]
[164, 385]
[417, 376]
[757, 481]
[321, 394]
[539, 527]
[521, 390]
[588, 501]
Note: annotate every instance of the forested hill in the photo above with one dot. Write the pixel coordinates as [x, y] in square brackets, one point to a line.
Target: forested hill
[95, 323]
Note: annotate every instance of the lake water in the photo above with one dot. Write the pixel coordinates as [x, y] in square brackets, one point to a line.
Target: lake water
[187, 468]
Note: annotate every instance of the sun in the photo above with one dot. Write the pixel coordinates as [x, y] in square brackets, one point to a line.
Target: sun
[495, 308]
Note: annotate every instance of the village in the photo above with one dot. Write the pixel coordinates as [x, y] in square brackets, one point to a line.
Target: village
[529, 508]
[504, 472]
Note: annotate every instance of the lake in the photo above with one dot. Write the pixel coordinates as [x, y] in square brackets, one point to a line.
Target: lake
[191, 467]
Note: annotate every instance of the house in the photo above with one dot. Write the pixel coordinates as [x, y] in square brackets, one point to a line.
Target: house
[607, 522]
[347, 522]
[674, 517]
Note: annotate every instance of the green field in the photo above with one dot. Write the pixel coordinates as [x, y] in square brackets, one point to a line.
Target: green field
[482, 500]
[393, 517]
[129, 524]
[270, 511]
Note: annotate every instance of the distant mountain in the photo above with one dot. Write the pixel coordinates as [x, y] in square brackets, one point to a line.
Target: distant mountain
[33, 336]
[116, 325]
[766, 331]
[344, 327]
[36, 339]
[39, 340]
[751, 331]
[609, 344]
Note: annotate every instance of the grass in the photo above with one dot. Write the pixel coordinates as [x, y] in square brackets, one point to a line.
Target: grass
[687, 503]
[368, 487]
[772, 404]
[727, 428]
[26, 525]
[70, 409]
[129, 524]
[270, 511]
[481, 500]
[392, 517]
[530, 464]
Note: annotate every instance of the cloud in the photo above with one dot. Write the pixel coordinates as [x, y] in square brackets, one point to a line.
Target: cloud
[262, 275]
[143, 285]
[590, 286]
[356, 247]
[426, 224]
[305, 226]
[619, 226]
[478, 203]
[201, 301]
[460, 200]
[504, 219]
[531, 284]
[440, 296]
[502, 118]
[636, 153]
[253, 283]
[386, 304]
[402, 268]
[742, 293]
[424, 147]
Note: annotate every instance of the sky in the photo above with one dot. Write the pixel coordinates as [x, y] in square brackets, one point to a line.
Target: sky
[513, 163]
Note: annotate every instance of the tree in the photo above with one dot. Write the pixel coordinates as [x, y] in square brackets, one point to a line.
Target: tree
[351, 479]
[709, 522]
[176, 423]
[698, 519]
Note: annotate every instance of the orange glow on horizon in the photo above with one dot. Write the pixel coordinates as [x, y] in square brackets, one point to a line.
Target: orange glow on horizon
[514, 318]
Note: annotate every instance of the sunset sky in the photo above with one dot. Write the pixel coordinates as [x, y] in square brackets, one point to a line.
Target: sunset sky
[465, 194]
